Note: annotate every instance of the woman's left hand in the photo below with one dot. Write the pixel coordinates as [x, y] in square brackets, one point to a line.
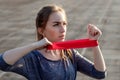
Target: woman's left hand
[93, 32]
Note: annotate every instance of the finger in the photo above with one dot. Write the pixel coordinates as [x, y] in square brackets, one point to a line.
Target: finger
[89, 29]
[96, 33]
[91, 32]
[47, 41]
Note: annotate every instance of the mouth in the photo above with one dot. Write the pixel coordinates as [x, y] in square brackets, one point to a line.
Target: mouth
[62, 37]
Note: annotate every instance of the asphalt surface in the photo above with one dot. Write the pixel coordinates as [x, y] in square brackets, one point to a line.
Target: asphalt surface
[17, 28]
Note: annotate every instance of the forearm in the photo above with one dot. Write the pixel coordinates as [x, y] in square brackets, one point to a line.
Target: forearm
[11, 56]
[99, 62]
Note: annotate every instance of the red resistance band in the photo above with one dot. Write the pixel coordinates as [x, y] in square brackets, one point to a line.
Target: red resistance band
[70, 44]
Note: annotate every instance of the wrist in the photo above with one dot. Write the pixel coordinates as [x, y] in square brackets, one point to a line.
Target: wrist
[37, 44]
[40, 44]
[97, 46]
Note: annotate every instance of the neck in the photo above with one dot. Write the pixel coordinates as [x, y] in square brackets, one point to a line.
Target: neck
[51, 54]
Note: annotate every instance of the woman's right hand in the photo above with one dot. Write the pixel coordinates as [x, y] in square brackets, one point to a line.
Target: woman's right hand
[42, 43]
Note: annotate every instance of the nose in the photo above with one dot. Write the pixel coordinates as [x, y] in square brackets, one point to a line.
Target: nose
[62, 28]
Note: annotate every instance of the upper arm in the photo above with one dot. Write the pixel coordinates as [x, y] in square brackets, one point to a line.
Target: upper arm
[86, 66]
[83, 64]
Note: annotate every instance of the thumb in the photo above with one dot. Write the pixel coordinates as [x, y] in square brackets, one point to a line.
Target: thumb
[46, 41]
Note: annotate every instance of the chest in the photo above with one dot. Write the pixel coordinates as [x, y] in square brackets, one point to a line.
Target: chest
[53, 70]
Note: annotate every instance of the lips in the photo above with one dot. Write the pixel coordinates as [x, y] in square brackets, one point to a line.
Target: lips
[62, 37]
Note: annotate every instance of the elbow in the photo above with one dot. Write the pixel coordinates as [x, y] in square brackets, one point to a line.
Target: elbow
[99, 74]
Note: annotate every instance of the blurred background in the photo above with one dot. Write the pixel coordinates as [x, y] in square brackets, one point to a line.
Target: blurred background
[17, 28]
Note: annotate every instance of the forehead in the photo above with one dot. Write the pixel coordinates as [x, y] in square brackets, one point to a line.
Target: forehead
[57, 16]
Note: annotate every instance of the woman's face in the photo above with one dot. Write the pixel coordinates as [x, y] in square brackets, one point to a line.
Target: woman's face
[56, 27]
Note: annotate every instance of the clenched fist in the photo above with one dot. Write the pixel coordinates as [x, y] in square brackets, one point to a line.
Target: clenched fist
[93, 32]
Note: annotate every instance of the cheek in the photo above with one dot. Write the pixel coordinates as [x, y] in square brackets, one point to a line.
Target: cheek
[50, 32]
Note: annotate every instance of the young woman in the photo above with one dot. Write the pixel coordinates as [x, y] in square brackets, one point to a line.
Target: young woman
[35, 62]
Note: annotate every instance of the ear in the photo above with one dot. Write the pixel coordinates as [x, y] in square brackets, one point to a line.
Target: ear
[40, 31]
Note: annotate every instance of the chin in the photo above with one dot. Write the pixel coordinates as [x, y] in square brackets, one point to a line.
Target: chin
[58, 40]
[62, 40]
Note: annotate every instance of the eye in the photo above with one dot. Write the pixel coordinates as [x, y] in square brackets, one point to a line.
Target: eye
[56, 24]
[65, 23]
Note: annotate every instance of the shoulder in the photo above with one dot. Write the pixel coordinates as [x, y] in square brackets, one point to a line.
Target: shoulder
[30, 57]
[33, 53]
[78, 57]
[75, 53]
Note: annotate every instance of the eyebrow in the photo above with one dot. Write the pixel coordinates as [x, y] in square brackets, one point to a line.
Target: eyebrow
[58, 22]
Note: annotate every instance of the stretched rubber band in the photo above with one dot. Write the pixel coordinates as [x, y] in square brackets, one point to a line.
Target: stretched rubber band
[70, 44]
